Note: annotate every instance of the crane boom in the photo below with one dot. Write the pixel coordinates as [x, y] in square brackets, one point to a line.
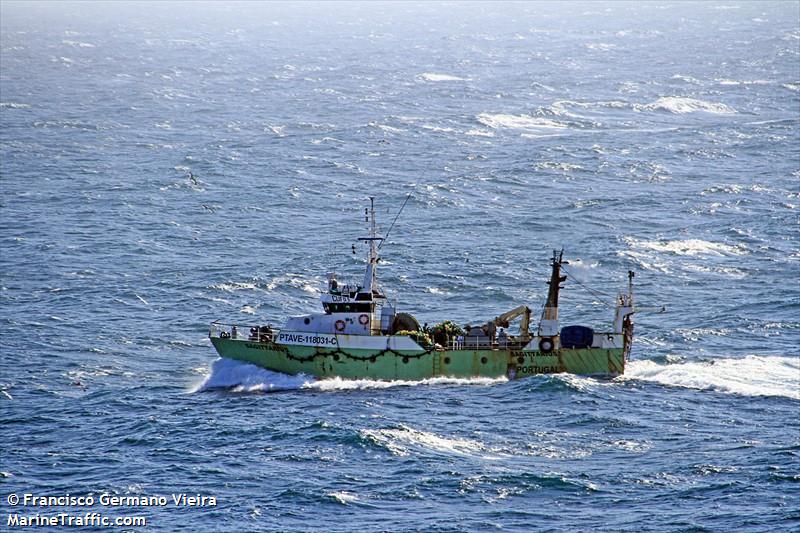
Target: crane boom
[523, 310]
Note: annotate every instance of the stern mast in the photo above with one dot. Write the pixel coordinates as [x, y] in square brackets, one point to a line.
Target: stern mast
[548, 326]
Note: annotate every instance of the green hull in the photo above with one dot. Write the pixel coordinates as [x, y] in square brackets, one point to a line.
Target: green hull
[414, 366]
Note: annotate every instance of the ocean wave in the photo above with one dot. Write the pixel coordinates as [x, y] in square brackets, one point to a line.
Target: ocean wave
[687, 79]
[600, 47]
[343, 497]
[519, 122]
[561, 107]
[432, 76]
[78, 44]
[234, 286]
[672, 104]
[13, 105]
[244, 377]
[724, 81]
[681, 105]
[690, 247]
[479, 133]
[403, 440]
[310, 286]
[749, 376]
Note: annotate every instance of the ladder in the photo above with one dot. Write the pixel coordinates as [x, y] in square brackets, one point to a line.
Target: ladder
[437, 364]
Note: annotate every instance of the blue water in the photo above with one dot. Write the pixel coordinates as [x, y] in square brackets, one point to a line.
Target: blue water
[662, 137]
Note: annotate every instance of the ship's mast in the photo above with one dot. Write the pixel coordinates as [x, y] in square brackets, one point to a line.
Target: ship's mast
[551, 307]
[548, 326]
[371, 275]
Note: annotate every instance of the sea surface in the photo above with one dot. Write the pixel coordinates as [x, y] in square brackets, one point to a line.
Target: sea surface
[163, 166]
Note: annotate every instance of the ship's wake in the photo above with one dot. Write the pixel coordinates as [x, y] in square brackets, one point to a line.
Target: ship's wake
[750, 376]
[236, 376]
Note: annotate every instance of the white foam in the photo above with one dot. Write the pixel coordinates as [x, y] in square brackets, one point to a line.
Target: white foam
[601, 47]
[401, 441]
[13, 105]
[519, 122]
[749, 376]
[78, 44]
[681, 105]
[690, 247]
[343, 497]
[234, 286]
[560, 107]
[244, 377]
[479, 133]
[432, 76]
[743, 82]
[334, 384]
[687, 79]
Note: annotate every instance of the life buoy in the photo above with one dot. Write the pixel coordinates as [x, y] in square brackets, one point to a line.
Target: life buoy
[546, 345]
[339, 325]
[363, 320]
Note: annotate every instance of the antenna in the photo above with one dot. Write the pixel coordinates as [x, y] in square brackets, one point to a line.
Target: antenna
[386, 236]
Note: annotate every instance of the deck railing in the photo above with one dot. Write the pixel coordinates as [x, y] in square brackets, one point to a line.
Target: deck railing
[262, 333]
[243, 332]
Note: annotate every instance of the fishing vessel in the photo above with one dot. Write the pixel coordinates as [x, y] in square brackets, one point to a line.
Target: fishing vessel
[361, 335]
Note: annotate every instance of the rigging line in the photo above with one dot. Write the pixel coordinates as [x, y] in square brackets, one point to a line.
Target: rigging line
[393, 221]
[595, 292]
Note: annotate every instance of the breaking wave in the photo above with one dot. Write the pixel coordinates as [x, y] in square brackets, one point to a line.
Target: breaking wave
[432, 76]
[244, 377]
[690, 247]
[680, 105]
[749, 376]
[519, 122]
[672, 104]
[401, 441]
[13, 105]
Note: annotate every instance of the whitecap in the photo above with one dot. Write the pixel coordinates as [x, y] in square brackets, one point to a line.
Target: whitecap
[13, 105]
[560, 107]
[390, 129]
[327, 139]
[681, 105]
[343, 497]
[479, 133]
[436, 290]
[78, 44]
[520, 122]
[234, 286]
[687, 79]
[432, 76]
[601, 47]
[437, 128]
[402, 440]
[690, 247]
[749, 376]
[724, 81]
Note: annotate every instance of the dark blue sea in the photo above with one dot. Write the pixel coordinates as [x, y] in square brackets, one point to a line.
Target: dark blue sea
[165, 165]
